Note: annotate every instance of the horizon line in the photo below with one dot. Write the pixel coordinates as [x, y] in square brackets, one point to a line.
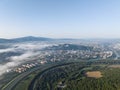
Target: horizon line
[97, 38]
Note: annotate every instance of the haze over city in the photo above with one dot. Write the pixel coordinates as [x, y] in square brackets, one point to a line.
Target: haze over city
[60, 18]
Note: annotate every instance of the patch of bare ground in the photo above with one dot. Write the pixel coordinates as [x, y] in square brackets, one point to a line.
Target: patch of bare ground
[94, 74]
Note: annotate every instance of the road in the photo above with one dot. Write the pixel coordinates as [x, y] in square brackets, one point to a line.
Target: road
[17, 79]
[31, 86]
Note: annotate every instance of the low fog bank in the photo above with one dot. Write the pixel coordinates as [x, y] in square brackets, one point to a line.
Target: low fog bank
[27, 52]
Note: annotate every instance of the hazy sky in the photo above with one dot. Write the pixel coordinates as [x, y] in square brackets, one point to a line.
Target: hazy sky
[60, 18]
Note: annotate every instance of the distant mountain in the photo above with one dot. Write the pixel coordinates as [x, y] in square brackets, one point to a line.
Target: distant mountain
[5, 40]
[24, 39]
[31, 38]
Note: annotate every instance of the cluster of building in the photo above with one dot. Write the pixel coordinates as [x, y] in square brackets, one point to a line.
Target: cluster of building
[78, 54]
[106, 54]
[60, 55]
[24, 67]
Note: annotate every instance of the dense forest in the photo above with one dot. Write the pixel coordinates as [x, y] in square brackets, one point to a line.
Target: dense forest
[73, 77]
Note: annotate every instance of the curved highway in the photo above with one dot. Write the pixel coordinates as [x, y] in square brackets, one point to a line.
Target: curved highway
[31, 86]
[16, 80]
